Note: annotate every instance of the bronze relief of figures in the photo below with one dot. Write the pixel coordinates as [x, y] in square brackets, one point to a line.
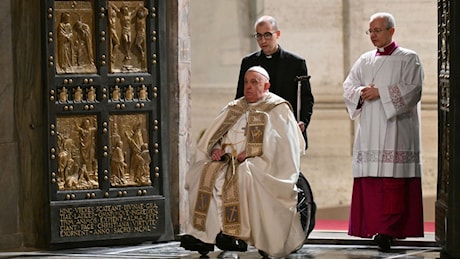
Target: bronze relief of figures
[127, 21]
[83, 44]
[130, 155]
[75, 37]
[77, 160]
[65, 44]
[75, 53]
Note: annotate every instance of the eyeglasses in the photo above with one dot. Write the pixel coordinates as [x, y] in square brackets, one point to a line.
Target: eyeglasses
[267, 35]
[377, 31]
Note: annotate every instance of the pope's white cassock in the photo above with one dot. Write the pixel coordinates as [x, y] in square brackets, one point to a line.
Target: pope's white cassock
[387, 146]
[254, 200]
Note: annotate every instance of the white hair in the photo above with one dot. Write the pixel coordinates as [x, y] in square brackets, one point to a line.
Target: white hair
[389, 19]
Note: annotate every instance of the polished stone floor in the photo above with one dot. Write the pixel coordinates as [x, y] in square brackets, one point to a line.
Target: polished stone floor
[321, 245]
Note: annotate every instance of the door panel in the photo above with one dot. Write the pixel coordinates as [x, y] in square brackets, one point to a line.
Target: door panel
[447, 211]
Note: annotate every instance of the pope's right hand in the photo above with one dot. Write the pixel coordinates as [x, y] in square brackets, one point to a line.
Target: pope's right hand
[216, 154]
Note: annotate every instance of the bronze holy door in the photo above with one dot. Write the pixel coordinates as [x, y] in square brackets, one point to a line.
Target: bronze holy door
[447, 207]
[107, 119]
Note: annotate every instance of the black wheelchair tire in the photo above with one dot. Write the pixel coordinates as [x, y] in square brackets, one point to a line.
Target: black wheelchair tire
[306, 205]
[203, 253]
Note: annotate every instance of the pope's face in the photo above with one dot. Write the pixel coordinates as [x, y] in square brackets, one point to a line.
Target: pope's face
[255, 86]
[380, 35]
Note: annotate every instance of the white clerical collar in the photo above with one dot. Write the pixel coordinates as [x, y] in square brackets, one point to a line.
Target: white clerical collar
[387, 50]
[273, 54]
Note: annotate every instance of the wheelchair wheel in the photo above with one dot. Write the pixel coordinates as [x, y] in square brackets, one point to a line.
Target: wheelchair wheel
[203, 253]
[306, 205]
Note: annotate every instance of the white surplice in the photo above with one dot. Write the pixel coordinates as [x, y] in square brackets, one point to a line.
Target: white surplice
[267, 183]
[387, 142]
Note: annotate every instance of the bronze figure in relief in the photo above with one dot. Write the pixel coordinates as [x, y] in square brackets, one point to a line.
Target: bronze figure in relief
[78, 94]
[65, 44]
[124, 19]
[87, 134]
[83, 44]
[139, 43]
[91, 94]
[130, 155]
[74, 48]
[118, 165]
[143, 93]
[129, 93]
[77, 162]
[63, 95]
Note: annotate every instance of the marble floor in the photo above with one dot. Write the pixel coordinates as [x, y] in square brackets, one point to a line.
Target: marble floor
[321, 245]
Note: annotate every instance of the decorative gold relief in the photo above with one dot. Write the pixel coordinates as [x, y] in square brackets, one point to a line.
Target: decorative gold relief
[115, 96]
[129, 93]
[444, 36]
[75, 37]
[130, 155]
[124, 18]
[77, 162]
[91, 94]
[78, 94]
[75, 95]
[63, 95]
[143, 93]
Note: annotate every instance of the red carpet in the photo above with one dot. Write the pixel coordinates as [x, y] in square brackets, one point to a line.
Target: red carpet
[342, 225]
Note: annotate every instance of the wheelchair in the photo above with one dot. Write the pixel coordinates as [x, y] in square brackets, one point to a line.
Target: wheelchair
[305, 206]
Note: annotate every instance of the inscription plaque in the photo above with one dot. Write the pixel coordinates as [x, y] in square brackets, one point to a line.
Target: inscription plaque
[107, 219]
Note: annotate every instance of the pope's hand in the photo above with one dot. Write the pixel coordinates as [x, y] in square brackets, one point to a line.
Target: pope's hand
[241, 157]
[216, 154]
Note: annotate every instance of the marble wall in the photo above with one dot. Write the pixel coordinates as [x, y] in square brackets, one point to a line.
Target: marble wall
[9, 177]
[329, 34]
[23, 176]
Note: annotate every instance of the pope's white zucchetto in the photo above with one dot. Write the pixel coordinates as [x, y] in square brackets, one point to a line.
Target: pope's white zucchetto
[259, 70]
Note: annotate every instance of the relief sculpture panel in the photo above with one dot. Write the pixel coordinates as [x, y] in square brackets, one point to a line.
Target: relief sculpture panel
[77, 160]
[74, 44]
[127, 36]
[130, 155]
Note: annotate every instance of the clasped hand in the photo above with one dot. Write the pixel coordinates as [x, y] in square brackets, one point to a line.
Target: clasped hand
[217, 154]
[370, 92]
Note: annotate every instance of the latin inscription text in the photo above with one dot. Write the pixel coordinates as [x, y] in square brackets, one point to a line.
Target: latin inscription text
[108, 219]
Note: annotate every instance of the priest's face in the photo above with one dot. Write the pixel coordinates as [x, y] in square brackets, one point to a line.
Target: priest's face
[380, 34]
[255, 86]
[268, 41]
